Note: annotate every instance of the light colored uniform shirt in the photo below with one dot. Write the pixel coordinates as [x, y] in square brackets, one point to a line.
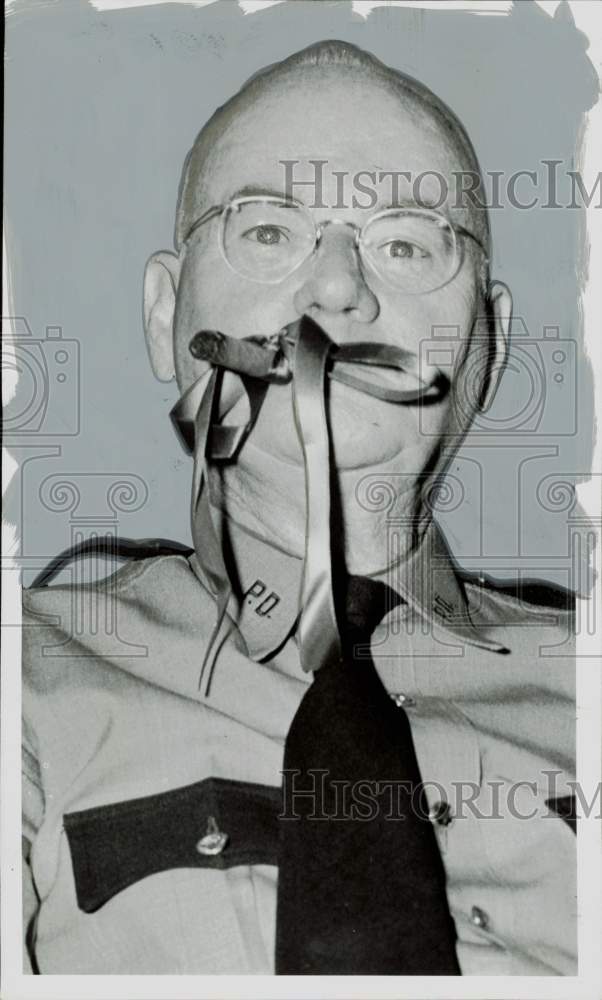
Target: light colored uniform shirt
[113, 713]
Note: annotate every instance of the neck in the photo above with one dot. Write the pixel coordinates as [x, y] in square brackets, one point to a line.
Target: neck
[379, 523]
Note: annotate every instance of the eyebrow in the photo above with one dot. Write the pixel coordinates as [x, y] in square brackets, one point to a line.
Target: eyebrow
[259, 191]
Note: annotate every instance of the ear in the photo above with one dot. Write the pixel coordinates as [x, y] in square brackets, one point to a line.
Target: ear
[160, 286]
[500, 312]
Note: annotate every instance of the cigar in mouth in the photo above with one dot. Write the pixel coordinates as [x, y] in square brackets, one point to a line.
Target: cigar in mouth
[256, 357]
[384, 371]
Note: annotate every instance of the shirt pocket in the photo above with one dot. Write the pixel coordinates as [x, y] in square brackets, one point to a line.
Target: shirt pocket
[214, 823]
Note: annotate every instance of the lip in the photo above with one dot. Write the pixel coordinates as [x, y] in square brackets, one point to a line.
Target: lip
[363, 376]
[386, 371]
[397, 382]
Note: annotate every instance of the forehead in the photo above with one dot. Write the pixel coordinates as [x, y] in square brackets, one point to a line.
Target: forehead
[353, 123]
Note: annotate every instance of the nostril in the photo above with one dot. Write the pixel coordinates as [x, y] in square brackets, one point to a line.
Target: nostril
[336, 286]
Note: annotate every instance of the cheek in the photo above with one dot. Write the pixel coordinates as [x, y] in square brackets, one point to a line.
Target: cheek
[431, 423]
[437, 329]
[215, 297]
[210, 297]
[422, 322]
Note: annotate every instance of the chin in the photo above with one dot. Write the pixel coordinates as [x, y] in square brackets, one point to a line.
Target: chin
[369, 450]
[348, 453]
[364, 432]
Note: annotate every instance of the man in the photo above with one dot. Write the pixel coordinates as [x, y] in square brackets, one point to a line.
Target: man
[157, 819]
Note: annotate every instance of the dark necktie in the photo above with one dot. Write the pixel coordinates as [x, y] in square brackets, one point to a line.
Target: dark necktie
[362, 893]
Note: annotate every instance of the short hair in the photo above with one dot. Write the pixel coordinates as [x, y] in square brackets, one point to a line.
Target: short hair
[319, 57]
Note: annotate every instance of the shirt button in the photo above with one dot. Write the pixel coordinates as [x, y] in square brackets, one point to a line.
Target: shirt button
[214, 840]
[479, 918]
[403, 700]
[441, 814]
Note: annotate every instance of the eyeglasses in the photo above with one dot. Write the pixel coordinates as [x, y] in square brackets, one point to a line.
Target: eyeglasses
[267, 238]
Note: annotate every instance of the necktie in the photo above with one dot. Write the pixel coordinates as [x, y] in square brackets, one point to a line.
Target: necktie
[363, 891]
[361, 885]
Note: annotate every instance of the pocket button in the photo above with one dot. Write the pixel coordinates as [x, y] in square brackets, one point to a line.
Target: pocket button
[214, 841]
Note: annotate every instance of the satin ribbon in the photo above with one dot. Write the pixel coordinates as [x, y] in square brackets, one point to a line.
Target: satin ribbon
[194, 419]
[386, 356]
[273, 360]
[306, 354]
[319, 639]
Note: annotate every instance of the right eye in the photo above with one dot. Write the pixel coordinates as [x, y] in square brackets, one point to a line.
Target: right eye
[266, 235]
[399, 249]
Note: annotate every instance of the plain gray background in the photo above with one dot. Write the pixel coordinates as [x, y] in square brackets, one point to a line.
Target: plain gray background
[101, 109]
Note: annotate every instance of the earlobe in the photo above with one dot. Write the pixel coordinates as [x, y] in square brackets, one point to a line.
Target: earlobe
[500, 311]
[160, 286]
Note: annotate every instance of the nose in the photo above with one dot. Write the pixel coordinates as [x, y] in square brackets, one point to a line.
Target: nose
[335, 283]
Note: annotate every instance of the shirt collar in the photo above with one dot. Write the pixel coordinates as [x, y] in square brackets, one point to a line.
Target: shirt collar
[268, 586]
[269, 582]
[429, 583]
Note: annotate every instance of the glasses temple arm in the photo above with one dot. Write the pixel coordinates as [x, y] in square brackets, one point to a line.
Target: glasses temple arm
[467, 232]
[205, 217]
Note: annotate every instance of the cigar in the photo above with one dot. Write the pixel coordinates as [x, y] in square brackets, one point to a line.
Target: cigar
[245, 357]
[271, 359]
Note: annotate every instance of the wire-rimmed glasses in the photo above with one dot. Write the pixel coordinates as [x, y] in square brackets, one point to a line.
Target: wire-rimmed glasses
[266, 238]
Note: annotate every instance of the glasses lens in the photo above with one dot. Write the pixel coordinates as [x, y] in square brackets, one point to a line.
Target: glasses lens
[266, 240]
[413, 251]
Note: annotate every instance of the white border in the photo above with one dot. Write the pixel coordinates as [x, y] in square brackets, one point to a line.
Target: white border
[588, 18]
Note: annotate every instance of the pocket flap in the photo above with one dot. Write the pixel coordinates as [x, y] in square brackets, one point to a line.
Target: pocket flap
[115, 845]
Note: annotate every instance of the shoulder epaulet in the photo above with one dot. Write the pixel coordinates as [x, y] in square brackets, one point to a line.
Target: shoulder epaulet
[112, 548]
[539, 593]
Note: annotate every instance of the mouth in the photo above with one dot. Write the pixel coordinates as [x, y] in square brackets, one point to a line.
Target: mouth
[241, 371]
[385, 371]
[393, 384]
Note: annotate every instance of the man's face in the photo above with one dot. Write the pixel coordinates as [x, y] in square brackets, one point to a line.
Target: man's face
[355, 127]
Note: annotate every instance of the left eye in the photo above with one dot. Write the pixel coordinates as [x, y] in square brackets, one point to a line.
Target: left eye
[267, 235]
[403, 249]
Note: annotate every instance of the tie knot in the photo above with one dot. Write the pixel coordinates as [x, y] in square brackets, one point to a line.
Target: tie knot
[367, 603]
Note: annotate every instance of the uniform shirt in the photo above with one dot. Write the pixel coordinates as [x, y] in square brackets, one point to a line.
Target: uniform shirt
[122, 752]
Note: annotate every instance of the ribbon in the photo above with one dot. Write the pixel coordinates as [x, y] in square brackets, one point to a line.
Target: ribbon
[319, 639]
[193, 418]
[304, 353]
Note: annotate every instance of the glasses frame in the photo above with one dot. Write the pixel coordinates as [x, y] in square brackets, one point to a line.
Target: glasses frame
[319, 227]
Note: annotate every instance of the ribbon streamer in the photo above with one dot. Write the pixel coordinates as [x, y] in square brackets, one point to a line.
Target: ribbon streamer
[319, 639]
[306, 354]
[194, 420]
